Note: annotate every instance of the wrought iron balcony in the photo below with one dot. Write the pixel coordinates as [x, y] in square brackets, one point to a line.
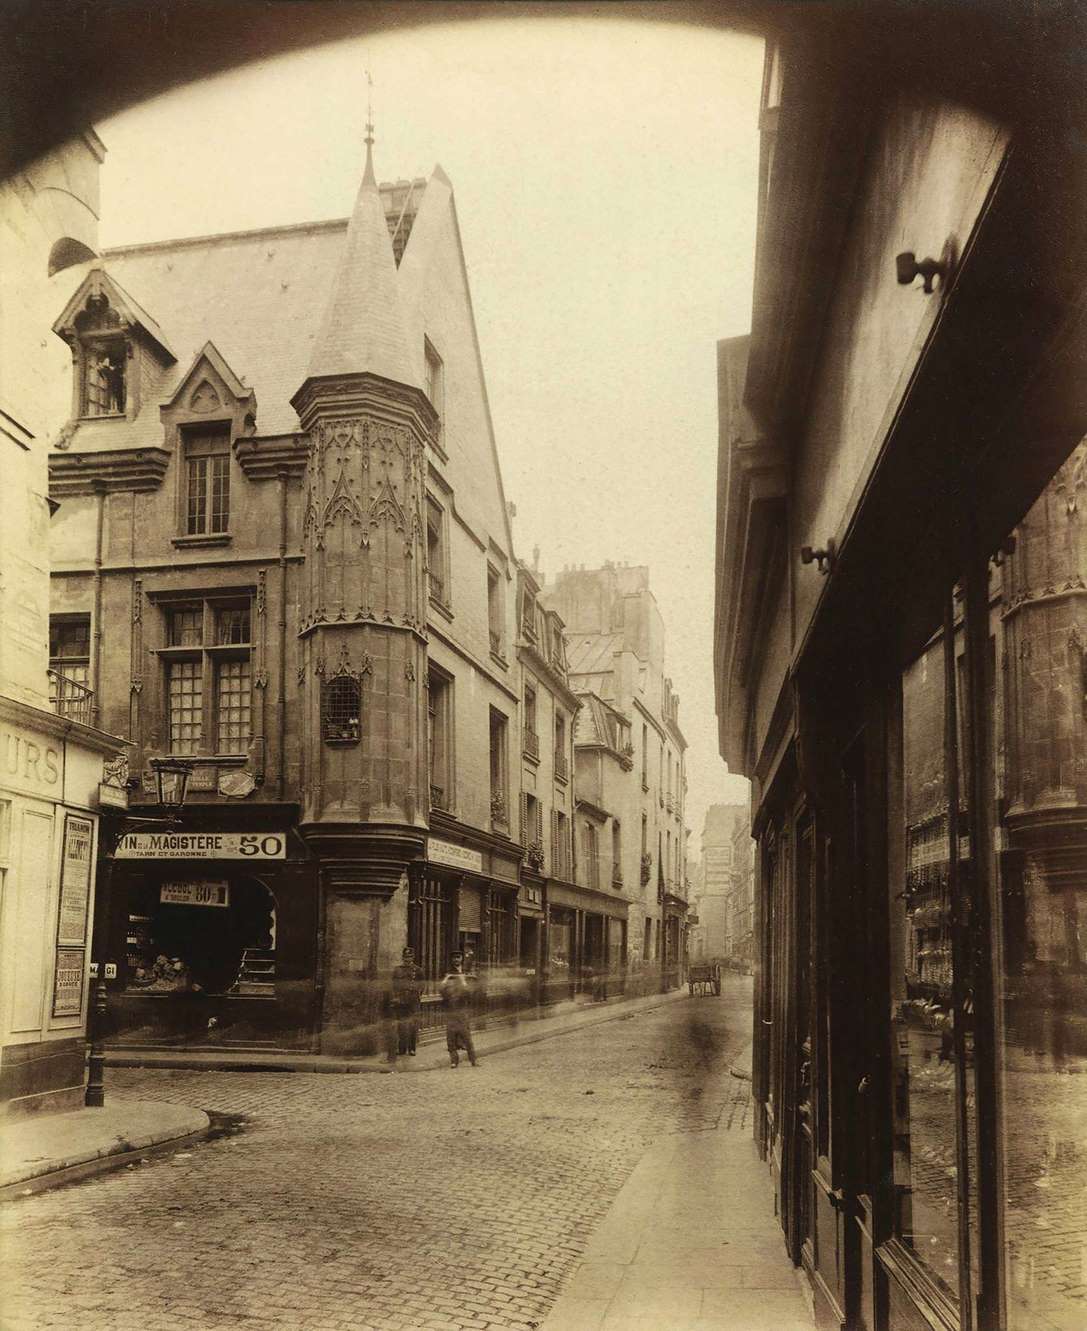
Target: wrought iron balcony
[535, 854]
[562, 767]
[436, 584]
[646, 868]
[496, 642]
[69, 698]
[617, 875]
[531, 742]
[499, 815]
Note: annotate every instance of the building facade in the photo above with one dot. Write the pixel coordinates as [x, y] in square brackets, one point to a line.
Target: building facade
[715, 885]
[555, 938]
[52, 754]
[284, 554]
[899, 655]
[630, 755]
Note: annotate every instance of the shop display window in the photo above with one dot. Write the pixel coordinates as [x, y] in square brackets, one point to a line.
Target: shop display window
[189, 936]
[934, 1124]
[1038, 717]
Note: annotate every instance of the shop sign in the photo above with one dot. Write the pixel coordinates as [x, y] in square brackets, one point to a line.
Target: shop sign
[202, 893]
[456, 857]
[112, 797]
[75, 882]
[68, 982]
[28, 761]
[203, 846]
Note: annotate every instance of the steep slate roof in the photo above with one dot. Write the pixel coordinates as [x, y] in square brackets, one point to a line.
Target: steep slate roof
[592, 653]
[259, 296]
[363, 327]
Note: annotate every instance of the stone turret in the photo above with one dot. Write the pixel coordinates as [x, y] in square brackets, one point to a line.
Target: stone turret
[362, 613]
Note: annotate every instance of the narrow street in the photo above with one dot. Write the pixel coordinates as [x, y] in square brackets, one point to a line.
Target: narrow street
[453, 1199]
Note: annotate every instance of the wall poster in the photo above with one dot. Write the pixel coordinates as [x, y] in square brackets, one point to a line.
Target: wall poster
[75, 881]
[68, 982]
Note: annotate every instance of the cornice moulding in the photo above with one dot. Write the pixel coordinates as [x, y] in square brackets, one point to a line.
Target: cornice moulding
[266, 459]
[136, 469]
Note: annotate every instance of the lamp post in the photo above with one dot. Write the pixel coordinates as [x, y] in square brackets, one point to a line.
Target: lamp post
[172, 783]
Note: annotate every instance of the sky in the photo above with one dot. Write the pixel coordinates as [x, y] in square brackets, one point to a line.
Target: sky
[605, 178]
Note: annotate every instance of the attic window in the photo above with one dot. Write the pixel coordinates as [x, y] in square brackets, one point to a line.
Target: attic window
[104, 367]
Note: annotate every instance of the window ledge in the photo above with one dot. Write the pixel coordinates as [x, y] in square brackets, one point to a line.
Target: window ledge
[105, 416]
[185, 542]
[500, 660]
[442, 608]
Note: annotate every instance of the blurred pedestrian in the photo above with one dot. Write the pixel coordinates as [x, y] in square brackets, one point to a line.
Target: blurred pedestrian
[405, 999]
[456, 992]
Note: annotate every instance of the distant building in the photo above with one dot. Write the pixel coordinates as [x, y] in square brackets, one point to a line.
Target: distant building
[631, 781]
[52, 755]
[719, 891]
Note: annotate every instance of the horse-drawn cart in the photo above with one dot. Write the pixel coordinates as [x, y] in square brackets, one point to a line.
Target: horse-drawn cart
[704, 978]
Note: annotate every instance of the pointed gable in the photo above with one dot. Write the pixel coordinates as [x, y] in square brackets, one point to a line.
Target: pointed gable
[208, 384]
[437, 304]
[363, 327]
[98, 288]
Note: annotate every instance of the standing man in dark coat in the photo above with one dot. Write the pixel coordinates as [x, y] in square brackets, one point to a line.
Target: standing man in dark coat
[405, 994]
[457, 994]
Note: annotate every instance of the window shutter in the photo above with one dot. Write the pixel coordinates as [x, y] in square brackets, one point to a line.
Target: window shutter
[524, 819]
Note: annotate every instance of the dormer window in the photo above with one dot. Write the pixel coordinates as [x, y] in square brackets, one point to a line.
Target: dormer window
[118, 351]
[104, 365]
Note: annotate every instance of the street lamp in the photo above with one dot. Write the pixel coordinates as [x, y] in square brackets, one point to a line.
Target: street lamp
[172, 784]
[172, 781]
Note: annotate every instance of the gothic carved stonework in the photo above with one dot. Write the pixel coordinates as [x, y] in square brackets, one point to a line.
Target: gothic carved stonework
[341, 503]
[137, 601]
[261, 592]
[1071, 480]
[204, 397]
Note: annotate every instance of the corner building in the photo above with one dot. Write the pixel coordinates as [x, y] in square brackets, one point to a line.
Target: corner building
[283, 553]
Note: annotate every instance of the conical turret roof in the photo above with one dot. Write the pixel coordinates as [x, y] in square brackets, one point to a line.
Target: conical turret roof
[363, 328]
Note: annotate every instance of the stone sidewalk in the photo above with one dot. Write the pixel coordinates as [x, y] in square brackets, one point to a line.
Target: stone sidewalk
[690, 1244]
[49, 1149]
[539, 1024]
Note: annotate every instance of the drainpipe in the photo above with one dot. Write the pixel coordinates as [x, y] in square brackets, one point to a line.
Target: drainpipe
[281, 700]
[96, 675]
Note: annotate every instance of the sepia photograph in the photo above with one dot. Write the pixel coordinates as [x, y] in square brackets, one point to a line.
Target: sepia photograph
[543, 665]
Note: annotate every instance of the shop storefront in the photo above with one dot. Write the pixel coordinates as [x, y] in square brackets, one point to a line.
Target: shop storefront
[214, 934]
[586, 943]
[461, 900]
[51, 797]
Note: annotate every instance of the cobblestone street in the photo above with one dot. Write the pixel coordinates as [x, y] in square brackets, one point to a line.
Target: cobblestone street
[451, 1199]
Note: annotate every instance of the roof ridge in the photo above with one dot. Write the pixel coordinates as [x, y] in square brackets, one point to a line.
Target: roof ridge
[322, 224]
[141, 247]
